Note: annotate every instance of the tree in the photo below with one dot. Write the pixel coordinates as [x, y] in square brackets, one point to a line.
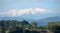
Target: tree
[34, 24]
[55, 28]
[24, 23]
[7, 31]
[0, 29]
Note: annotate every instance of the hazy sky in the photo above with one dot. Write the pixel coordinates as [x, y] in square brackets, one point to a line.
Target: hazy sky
[35, 9]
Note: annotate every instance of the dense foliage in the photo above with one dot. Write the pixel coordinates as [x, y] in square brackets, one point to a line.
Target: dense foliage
[14, 26]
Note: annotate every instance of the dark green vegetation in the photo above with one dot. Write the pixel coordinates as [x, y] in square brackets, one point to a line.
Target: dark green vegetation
[14, 26]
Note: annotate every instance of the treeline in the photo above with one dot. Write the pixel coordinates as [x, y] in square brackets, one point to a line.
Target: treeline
[14, 26]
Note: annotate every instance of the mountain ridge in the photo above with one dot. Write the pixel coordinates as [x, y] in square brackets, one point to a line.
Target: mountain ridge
[49, 19]
[40, 22]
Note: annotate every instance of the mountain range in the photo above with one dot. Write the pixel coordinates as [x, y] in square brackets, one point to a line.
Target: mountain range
[44, 21]
[40, 22]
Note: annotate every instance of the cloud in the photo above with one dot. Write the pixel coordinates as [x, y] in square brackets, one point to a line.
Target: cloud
[38, 10]
[24, 11]
[13, 12]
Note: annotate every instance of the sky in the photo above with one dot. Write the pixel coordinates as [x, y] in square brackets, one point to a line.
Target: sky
[33, 9]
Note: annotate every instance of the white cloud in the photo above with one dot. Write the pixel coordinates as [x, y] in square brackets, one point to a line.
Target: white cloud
[8, 13]
[23, 11]
[12, 12]
[40, 10]
[20, 12]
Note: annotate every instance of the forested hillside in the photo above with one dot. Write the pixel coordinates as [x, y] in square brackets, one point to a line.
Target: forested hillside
[14, 26]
